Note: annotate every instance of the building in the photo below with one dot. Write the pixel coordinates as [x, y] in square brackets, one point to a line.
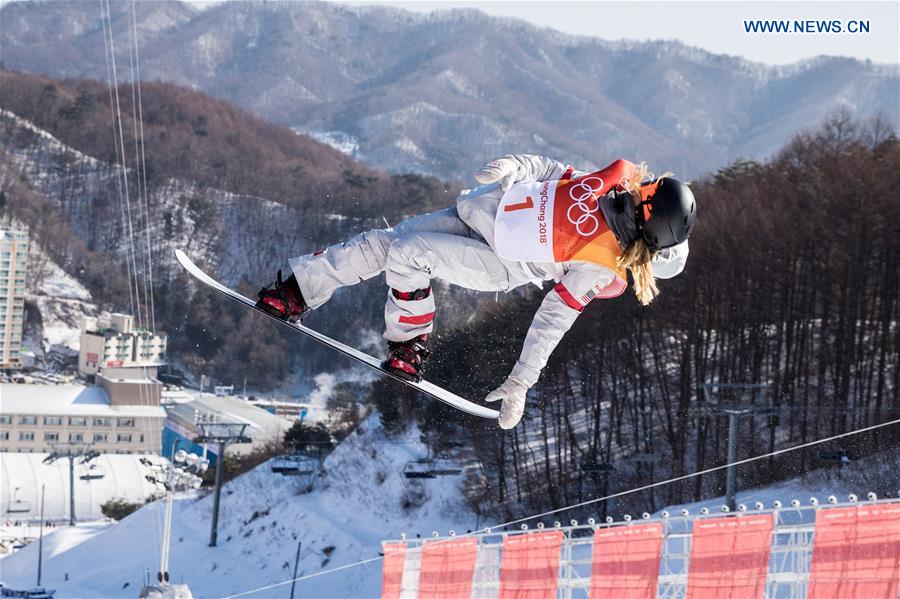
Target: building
[116, 416]
[291, 410]
[118, 345]
[103, 478]
[13, 256]
[263, 427]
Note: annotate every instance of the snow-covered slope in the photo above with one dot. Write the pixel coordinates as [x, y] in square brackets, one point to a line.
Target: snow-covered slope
[361, 498]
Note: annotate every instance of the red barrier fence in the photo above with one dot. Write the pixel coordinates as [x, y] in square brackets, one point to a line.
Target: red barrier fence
[856, 553]
[530, 565]
[854, 549]
[730, 557]
[392, 569]
[625, 563]
[447, 569]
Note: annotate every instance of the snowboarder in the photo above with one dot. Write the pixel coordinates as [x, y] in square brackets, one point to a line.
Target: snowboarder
[532, 219]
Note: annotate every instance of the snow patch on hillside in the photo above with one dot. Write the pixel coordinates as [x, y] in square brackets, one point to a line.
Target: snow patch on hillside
[62, 303]
[339, 140]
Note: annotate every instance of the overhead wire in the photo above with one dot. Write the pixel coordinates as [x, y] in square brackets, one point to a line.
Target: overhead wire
[131, 260]
[113, 80]
[489, 529]
[137, 62]
[129, 230]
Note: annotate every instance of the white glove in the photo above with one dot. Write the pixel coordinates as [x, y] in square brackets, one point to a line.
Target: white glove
[502, 170]
[512, 392]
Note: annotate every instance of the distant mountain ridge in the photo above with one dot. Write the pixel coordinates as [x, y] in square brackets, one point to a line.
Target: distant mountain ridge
[441, 93]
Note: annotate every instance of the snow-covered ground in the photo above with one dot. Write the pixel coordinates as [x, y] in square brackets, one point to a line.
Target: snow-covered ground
[343, 142]
[58, 538]
[361, 498]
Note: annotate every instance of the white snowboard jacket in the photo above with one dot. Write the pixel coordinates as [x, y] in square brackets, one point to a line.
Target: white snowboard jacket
[577, 282]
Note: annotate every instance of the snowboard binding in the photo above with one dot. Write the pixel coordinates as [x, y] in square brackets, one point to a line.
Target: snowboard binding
[407, 359]
[283, 299]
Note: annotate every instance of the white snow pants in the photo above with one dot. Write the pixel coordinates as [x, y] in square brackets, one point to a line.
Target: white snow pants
[435, 245]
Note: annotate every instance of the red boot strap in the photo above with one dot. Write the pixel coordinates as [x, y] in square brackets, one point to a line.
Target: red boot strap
[406, 354]
[402, 365]
[418, 294]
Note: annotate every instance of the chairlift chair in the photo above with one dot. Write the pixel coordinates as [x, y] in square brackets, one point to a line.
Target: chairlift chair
[294, 465]
[93, 472]
[419, 469]
[18, 506]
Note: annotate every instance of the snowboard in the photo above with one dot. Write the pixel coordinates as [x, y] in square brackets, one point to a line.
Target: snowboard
[425, 387]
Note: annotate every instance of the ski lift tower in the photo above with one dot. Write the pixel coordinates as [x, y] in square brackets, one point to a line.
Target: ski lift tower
[734, 410]
[179, 475]
[71, 452]
[222, 434]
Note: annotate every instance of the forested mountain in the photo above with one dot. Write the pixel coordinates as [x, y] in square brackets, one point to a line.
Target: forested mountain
[442, 93]
[239, 194]
[791, 281]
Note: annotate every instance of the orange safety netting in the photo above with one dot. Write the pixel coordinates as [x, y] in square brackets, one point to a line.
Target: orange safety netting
[730, 557]
[447, 569]
[856, 553]
[625, 562]
[530, 565]
[392, 569]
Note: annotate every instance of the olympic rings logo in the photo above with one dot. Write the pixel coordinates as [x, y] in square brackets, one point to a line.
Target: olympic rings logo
[585, 221]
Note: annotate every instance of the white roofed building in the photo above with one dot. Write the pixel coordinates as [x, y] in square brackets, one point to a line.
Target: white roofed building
[263, 427]
[38, 418]
[103, 478]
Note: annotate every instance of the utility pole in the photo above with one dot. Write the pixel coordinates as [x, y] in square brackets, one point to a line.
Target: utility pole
[41, 538]
[222, 434]
[734, 415]
[71, 453]
[734, 411]
[296, 563]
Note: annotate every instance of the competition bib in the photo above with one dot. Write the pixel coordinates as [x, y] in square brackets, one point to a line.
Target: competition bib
[560, 221]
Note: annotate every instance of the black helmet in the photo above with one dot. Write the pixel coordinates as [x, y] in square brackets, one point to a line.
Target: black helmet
[668, 213]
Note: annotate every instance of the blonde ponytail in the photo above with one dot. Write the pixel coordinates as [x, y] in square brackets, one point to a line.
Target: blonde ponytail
[637, 257]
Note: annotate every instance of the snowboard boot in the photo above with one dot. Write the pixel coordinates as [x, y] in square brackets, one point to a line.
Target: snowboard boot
[406, 359]
[283, 299]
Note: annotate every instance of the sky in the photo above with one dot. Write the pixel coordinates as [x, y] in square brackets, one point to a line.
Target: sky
[717, 26]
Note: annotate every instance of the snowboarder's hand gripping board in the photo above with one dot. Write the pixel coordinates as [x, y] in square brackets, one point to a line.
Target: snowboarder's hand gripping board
[428, 388]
